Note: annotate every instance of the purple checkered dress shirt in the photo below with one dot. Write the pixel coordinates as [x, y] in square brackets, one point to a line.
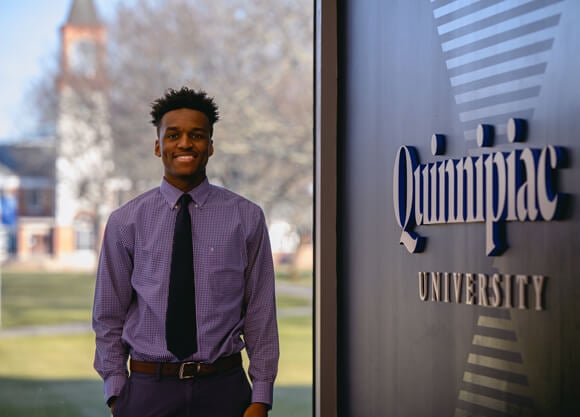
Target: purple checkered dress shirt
[234, 285]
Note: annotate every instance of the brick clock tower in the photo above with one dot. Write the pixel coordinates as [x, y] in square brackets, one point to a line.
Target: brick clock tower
[84, 144]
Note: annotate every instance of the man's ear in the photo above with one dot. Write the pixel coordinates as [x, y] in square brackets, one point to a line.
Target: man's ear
[210, 147]
[157, 149]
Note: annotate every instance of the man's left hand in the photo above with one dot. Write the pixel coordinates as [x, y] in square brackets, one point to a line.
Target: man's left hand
[256, 410]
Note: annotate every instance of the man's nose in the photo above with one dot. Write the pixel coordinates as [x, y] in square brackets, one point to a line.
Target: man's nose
[184, 141]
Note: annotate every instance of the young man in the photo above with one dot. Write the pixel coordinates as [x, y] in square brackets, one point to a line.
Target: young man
[182, 305]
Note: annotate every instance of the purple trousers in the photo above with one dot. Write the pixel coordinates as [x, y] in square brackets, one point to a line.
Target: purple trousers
[226, 394]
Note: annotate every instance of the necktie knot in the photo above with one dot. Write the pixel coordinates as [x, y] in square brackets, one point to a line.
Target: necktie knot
[184, 200]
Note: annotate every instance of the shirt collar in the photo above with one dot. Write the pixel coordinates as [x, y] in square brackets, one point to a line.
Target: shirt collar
[172, 194]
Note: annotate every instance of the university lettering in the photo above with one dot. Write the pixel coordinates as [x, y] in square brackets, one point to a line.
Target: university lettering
[492, 188]
[497, 290]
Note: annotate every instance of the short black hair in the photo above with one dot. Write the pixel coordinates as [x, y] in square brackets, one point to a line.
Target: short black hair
[185, 98]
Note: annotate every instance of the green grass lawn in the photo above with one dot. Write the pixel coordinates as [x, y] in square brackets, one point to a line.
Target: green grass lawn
[52, 375]
[37, 299]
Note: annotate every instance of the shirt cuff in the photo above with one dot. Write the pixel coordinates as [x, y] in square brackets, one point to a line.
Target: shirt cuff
[113, 385]
[263, 392]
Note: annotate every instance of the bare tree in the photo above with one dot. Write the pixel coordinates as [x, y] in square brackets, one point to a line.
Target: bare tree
[255, 58]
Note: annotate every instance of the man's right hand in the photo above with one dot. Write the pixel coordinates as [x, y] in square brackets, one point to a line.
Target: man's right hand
[111, 403]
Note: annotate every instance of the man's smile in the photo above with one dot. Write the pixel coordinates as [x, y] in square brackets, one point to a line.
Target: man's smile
[185, 157]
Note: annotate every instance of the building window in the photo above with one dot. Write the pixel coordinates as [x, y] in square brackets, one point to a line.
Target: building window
[34, 202]
[84, 233]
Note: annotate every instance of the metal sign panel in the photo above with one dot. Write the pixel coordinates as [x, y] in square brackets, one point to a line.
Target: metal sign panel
[459, 287]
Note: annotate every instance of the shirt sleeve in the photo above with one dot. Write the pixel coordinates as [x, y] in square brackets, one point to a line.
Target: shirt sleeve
[112, 298]
[260, 328]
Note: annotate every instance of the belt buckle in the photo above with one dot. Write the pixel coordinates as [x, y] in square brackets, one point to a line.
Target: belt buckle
[184, 365]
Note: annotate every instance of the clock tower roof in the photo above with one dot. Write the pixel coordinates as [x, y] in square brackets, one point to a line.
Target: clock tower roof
[83, 13]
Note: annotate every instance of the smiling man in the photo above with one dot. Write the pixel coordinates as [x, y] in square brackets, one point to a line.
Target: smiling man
[185, 282]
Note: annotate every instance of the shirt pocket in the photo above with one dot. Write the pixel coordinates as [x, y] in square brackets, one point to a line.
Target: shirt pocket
[150, 267]
[225, 269]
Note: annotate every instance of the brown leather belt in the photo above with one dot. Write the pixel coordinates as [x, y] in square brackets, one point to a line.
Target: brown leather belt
[185, 370]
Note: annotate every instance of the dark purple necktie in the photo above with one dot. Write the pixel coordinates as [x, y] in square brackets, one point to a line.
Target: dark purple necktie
[180, 327]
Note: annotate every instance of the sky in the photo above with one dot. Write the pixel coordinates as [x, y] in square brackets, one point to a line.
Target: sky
[29, 43]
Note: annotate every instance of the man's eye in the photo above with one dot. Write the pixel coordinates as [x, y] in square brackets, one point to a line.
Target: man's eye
[173, 136]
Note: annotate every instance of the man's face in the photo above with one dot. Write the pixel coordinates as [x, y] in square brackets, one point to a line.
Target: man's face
[184, 146]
